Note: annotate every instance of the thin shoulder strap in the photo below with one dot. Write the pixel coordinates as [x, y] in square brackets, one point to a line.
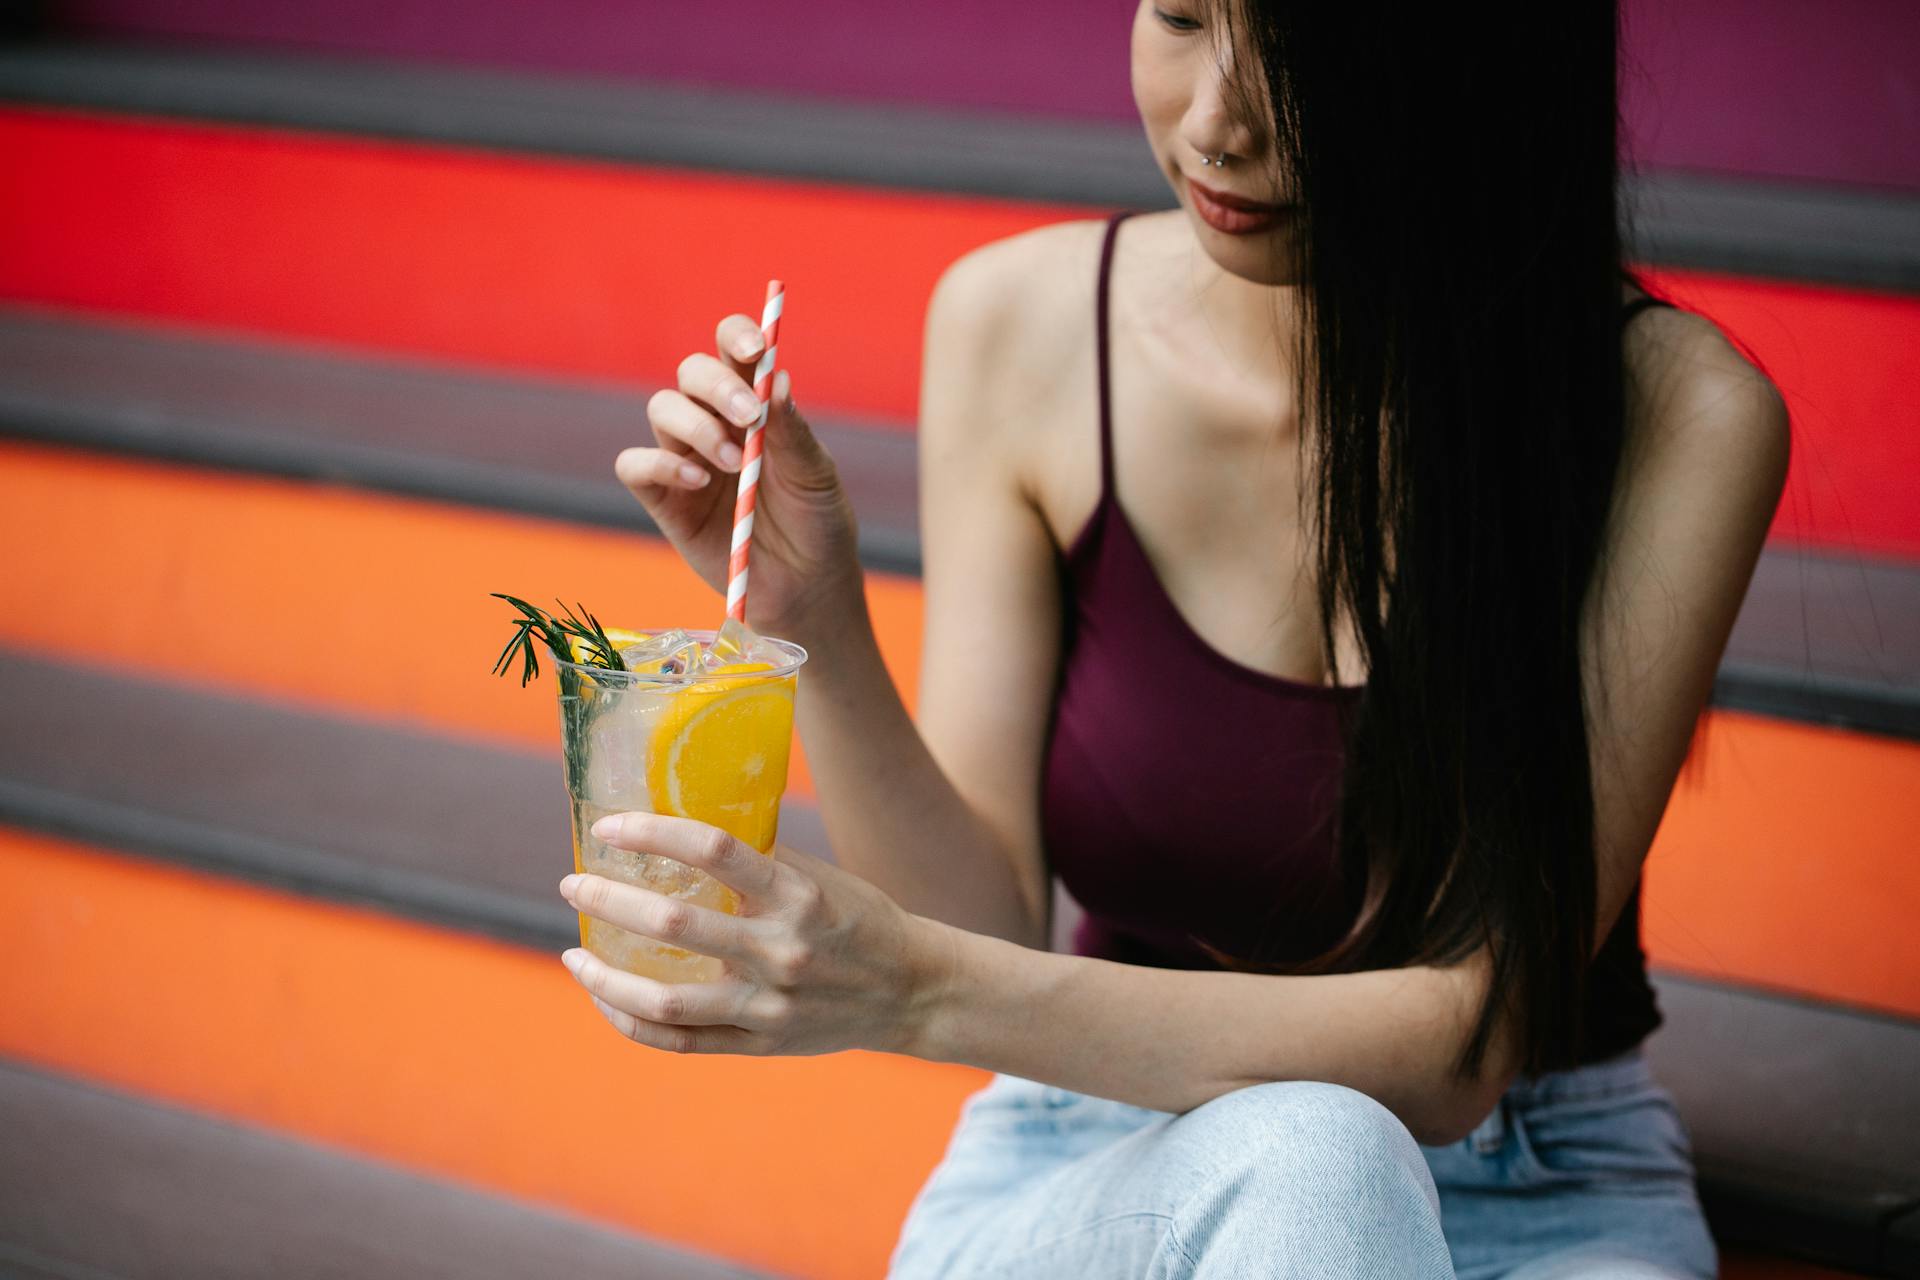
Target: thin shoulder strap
[1100, 331]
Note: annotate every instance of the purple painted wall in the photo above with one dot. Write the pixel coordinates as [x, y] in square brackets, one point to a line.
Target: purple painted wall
[1821, 90]
[1066, 56]
[1817, 90]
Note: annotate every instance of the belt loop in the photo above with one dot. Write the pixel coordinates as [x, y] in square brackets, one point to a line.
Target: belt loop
[1492, 1131]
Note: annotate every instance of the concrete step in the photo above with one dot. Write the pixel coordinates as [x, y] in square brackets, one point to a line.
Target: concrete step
[1803, 1122]
[97, 1182]
[455, 1056]
[1823, 637]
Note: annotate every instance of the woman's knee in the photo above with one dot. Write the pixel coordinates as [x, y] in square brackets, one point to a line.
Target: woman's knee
[1311, 1132]
[1319, 1175]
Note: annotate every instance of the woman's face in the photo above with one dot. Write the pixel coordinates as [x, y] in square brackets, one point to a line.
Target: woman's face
[1184, 73]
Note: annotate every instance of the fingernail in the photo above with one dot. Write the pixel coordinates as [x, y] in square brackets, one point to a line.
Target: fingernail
[574, 960]
[568, 885]
[607, 828]
[692, 474]
[730, 456]
[745, 347]
[746, 407]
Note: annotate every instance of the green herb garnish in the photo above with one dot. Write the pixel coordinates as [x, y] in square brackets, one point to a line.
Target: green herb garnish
[599, 649]
[582, 699]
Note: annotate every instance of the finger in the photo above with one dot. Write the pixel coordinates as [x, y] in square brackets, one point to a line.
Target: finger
[713, 383]
[680, 422]
[655, 915]
[739, 338]
[686, 1004]
[676, 1039]
[732, 862]
[804, 464]
[644, 468]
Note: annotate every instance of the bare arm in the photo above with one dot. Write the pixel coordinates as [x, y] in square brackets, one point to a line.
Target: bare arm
[1697, 493]
[943, 816]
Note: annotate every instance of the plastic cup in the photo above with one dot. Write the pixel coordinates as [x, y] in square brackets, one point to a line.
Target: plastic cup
[712, 746]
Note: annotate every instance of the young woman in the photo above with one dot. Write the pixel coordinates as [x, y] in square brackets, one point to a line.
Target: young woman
[1327, 593]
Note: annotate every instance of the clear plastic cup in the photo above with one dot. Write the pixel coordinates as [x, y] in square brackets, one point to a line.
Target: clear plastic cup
[709, 745]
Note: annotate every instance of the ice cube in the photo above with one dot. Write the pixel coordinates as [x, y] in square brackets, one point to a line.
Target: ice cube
[731, 642]
[737, 642]
[663, 653]
[616, 751]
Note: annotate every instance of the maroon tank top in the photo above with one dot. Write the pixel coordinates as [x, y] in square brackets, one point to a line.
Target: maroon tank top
[1187, 798]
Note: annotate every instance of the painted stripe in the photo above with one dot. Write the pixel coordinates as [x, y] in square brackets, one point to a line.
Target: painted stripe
[319, 595]
[454, 435]
[455, 1057]
[557, 267]
[1847, 235]
[373, 1035]
[1847, 363]
[425, 252]
[1785, 860]
[1803, 92]
[1791, 863]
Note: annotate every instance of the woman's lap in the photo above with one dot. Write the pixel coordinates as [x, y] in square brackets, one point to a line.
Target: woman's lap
[1042, 1182]
[1584, 1173]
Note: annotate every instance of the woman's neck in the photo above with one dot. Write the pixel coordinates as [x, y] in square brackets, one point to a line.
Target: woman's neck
[1210, 318]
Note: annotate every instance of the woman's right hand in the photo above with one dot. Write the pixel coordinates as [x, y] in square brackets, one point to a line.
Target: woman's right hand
[804, 562]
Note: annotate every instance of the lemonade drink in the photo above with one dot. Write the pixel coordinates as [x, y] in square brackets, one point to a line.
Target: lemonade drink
[709, 744]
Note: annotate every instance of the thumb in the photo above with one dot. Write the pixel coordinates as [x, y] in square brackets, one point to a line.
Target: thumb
[789, 432]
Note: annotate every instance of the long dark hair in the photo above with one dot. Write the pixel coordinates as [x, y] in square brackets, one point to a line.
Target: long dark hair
[1460, 268]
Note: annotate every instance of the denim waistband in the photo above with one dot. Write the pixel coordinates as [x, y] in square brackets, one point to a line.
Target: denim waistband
[1621, 1073]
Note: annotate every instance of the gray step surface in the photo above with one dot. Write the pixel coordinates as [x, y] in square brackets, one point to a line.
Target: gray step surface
[97, 1183]
[1805, 1116]
[1805, 1119]
[543, 446]
[442, 829]
[1825, 638]
[1849, 235]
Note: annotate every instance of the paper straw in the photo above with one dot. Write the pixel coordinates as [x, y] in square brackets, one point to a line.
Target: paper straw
[750, 456]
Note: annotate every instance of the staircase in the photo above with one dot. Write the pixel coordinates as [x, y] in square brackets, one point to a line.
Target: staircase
[316, 328]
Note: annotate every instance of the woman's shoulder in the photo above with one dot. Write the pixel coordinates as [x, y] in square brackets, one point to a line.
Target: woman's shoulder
[1013, 293]
[1008, 340]
[1690, 385]
[1707, 429]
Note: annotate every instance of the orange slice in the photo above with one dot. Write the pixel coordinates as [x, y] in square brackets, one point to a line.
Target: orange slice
[719, 753]
[620, 636]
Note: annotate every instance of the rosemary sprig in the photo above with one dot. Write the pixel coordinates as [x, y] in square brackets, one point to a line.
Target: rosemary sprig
[555, 631]
[580, 701]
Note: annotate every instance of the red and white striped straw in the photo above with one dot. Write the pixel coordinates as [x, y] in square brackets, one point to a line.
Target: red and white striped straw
[750, 456]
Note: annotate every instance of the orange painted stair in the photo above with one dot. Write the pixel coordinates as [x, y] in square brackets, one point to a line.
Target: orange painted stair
[455, 1057]
[1822, 638]
[460, 1058]
[239, 531]
[296, 593]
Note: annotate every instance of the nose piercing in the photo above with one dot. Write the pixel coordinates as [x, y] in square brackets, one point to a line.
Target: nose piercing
[1220, 161]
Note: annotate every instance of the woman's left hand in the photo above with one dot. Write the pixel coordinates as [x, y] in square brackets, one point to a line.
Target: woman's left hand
[817, 961]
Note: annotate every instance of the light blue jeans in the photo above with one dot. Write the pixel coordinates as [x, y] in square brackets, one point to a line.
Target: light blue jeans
[1583, 1173]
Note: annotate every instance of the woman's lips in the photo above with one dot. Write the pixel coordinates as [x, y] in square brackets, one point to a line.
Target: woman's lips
[1230, 219]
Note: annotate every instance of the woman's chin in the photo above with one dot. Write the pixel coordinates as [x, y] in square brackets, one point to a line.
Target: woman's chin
[1257, 259]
